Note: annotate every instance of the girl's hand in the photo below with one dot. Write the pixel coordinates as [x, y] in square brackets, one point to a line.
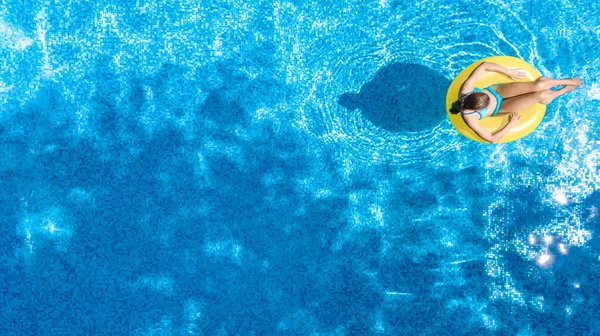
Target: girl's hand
[516, 73]
[514, 118]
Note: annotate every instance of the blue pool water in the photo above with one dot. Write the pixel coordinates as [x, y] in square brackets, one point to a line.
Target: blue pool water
[256, 168]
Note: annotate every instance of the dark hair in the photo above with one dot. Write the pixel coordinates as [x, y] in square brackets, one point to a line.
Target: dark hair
[472, 101]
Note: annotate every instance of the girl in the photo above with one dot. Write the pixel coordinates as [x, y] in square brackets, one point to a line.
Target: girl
[474, 103]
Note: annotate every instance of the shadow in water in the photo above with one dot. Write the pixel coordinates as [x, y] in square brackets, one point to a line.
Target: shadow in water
[401, 97]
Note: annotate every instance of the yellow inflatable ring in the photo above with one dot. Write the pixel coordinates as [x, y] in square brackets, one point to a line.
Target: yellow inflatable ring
[530, 117]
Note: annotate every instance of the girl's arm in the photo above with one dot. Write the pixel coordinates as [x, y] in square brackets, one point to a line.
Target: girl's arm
[512, 73]
[469, 84]
[489, 66]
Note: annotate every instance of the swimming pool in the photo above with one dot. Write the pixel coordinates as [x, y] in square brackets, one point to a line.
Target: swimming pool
[255, 168]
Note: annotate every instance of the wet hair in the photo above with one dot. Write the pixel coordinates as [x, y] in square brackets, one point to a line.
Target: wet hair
[472, 101]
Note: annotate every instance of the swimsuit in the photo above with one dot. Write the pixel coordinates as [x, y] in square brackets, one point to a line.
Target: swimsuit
[483, 111]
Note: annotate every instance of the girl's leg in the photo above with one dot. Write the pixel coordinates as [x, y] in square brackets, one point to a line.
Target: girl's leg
[509, 90]
[522, 102]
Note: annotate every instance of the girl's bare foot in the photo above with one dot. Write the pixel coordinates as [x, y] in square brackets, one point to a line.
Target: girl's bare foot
[576, 81]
